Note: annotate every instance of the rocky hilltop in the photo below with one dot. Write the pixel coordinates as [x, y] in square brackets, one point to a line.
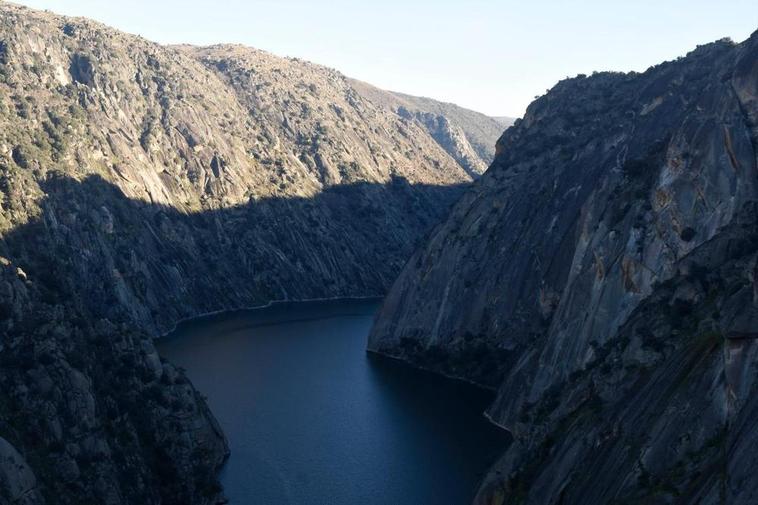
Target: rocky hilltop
[601, 275]
[142, 184]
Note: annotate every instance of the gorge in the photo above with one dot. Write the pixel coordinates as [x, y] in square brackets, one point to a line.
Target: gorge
[599, 279]
[141, 185]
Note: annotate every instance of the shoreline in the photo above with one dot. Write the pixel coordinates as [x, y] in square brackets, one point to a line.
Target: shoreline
[252, 308]
[209, 316]
[405, 362]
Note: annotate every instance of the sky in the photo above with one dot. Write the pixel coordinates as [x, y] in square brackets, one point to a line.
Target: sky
[488, 55]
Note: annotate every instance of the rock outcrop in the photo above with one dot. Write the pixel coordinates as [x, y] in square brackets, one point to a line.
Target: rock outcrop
[141, 185]
[90, 413]
[602, 276]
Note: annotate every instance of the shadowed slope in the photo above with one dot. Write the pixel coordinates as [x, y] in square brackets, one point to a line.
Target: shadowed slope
[154, 265]
[88, 404]
[602, 275]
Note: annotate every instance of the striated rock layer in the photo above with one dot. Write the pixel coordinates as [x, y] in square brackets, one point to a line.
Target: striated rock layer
[602, 276]
[143, 184]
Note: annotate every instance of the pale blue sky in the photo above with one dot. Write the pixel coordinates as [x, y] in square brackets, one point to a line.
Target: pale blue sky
[488, 55]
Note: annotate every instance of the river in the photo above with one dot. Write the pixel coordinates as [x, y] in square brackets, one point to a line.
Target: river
[312, 418]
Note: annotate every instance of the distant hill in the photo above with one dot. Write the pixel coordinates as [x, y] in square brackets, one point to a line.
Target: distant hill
[468, 136]
[505, 121]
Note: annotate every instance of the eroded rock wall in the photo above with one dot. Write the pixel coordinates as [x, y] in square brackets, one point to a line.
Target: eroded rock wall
[601, 276]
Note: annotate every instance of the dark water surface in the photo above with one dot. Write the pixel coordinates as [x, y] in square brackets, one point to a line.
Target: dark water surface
[312, 419]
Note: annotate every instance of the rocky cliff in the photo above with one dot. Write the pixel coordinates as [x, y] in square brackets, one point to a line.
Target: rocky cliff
[90, 412]
[143, 184]
[602, 276]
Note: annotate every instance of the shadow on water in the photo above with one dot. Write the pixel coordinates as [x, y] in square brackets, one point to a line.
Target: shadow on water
[312, 419]
[404, 385]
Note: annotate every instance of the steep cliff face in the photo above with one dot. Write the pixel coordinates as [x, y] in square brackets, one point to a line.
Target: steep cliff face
[166, 171]
[90, 412]
[142, 184]
[601, 275]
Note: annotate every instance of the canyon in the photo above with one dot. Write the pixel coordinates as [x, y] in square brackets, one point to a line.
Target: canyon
[593, 264]
[141, 185]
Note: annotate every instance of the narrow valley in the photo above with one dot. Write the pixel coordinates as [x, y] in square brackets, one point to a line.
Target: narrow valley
[229, 276]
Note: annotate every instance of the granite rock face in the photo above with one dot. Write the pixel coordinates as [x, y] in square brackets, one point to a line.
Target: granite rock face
[601, 275]
[142, 184]
[262, 176]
